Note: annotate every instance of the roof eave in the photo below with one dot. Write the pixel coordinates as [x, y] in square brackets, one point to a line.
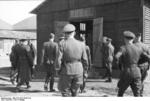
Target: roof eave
[37, 9]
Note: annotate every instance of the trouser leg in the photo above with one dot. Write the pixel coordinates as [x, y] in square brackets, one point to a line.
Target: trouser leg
[51, 82]
[121, 90]
[144, 75]
[47, 78]
[136, 86]
[123, 84]
[82, 87]
[13, 76]
[74, 89]
[142, 89]
[32, 72]
[109, 70]
[75, 84]
[64, 85]
[106, 73]
[46, 81]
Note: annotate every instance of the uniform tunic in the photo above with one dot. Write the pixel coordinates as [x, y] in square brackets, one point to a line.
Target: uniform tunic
[130, 74]
[72, 60]
[108, 53]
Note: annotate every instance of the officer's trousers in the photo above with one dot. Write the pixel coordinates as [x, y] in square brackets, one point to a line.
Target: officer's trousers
[49, 77]
[70, 83]
[127, 81]
[50, 73]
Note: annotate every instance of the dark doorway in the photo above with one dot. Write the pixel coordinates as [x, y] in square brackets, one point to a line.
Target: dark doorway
[86, 28]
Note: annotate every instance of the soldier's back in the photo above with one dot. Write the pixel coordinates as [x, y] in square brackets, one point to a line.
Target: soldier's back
[130, 58]
[72, 49]
[50, 49]
[72, 53]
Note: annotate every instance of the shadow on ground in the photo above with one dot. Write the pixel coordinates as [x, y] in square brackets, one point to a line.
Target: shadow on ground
[113, 91]
[6, 87]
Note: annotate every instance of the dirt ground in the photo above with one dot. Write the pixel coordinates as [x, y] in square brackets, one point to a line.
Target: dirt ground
[94, 88]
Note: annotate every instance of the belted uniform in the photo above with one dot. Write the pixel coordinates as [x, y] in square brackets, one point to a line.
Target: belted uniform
[72, 60]
[130, 74]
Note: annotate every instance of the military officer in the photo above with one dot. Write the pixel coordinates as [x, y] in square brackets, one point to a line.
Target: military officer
[130, 74]
[82, 87]
[72, 61]
[49, 53]
[24, 63]
[108, 53]
[143, 62]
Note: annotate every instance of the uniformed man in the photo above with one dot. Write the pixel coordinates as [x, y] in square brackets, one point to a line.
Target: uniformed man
[130, 74]
[33, 53]
[143, 62]
[13, 73]
[82, 87]
[108, 53]
[72, 61]
[49, 54]
[24, 63]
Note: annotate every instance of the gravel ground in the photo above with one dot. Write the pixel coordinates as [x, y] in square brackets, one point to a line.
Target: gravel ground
[95, 88]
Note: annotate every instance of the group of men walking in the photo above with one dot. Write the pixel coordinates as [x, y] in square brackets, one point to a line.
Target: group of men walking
[72, 59]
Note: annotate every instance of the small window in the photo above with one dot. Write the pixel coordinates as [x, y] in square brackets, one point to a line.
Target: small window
[82, 26]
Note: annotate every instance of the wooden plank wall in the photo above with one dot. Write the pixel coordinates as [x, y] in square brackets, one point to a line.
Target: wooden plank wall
[60, 5]
[44, 27]
[119, 17]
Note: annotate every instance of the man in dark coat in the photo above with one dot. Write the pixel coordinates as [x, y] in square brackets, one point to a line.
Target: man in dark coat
[108, 53]
[49, 54]
[143, 62]
[72, 61]
[24, 63]
[130, 74]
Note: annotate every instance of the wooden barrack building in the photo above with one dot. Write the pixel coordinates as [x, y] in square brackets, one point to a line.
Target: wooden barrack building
[95, 18]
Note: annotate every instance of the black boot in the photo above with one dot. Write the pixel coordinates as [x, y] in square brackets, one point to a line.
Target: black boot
[51, 85]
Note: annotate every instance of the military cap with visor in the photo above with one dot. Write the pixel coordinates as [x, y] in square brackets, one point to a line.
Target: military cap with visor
[69, 28]
[128, 34]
